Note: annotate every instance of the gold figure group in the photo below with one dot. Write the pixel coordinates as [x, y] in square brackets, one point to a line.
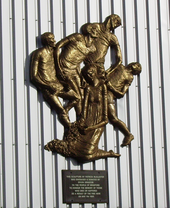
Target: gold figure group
[56, 72]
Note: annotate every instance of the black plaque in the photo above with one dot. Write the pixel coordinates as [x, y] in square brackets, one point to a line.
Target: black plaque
[85, 186]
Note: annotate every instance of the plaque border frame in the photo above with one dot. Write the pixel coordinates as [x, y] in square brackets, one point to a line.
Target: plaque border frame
[85, 200]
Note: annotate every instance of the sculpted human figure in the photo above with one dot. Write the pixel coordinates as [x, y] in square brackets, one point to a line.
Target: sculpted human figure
[81, 140]
[119, 81]
[74, 50]
[43, 76]
[105, 39]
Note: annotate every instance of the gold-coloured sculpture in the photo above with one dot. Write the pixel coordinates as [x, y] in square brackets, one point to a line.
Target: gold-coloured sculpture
[43, 76]
[92, 90]
[119, 81]
[81, 140]
[75, 48]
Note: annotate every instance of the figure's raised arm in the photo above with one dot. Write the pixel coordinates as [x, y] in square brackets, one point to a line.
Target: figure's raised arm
[118, 54]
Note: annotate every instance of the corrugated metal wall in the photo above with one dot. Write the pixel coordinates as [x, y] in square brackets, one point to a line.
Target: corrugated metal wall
[30, 176]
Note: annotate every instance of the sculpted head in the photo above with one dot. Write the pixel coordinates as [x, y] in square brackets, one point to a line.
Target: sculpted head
[47, 39]
[135, 67]
[89, 73]
[112, 21]
[92, 29]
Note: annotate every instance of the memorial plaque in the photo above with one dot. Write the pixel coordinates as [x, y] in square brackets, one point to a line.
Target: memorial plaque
[85, 186]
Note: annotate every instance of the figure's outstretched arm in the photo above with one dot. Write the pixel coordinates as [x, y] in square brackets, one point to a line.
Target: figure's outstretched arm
[99, 125]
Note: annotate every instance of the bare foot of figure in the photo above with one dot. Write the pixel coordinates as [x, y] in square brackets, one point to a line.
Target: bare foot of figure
[113, 154]
[127, 140]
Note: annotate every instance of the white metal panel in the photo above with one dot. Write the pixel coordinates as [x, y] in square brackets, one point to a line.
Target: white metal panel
[93, 15]
[19, 102]
[33, 164]
[156, 125]
[134, 174]
[165, 74]
[7, 134]
[81, 13]
[146, 165]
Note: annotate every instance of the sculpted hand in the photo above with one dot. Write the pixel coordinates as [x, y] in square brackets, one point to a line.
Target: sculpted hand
[82, 126]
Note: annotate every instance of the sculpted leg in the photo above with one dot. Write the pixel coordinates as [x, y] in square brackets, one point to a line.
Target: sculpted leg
[75, 84]
[120, 125]
[55, 103]
[100, 154]
[72, 97]
[103, 154]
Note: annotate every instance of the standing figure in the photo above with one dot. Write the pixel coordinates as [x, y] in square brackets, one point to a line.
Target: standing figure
[74, 50]
[119, 81]
[43, 76]
[81, 140]
[105, 39]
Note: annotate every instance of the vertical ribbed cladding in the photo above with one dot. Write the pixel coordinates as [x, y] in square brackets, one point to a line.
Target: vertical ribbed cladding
[27, 83]
[2, 142]
[33, 155]
[88, 10]
[140, 108]
[17, 53]
[42, 127]
[77, 29]
[51, 10]
[15, 106]
[163, 104]
[125, 56]
[151, 104]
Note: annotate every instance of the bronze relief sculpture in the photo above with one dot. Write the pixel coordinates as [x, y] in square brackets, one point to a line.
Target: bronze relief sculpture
[92, 90]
